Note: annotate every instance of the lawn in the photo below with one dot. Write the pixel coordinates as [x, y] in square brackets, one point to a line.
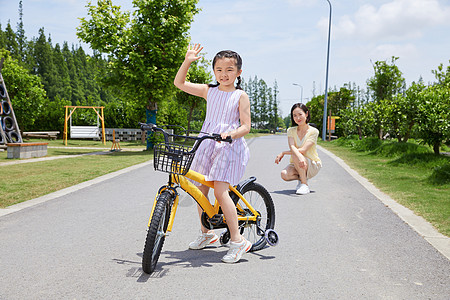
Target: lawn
[410, 174]
[34, 179]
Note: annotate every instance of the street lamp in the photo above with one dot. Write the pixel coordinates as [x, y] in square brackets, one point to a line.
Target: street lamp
[324, 127]
[301, 98]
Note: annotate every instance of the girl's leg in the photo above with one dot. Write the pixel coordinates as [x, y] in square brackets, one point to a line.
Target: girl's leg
[205, 190]
[228, 208]
[207, 237]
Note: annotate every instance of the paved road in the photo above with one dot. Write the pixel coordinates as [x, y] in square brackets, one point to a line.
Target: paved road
[339, 242]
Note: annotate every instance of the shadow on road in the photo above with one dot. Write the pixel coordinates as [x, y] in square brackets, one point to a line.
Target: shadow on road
[290, 193]
[185, 259]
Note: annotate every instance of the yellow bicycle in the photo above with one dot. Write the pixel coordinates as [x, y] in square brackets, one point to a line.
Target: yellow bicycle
[254, 205]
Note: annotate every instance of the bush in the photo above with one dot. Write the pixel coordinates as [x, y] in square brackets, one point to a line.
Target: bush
[440, 175]
[368, 144]
[253, 130]
[392, 149]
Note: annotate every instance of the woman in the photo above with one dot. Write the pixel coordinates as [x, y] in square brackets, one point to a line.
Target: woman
[302, 139]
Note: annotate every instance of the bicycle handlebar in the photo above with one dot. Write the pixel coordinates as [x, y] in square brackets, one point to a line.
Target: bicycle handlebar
[214, 136]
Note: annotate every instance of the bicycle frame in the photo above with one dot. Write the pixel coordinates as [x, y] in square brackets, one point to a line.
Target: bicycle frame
[203, 202]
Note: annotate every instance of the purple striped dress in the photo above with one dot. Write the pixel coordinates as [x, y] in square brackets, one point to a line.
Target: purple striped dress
[221, 161]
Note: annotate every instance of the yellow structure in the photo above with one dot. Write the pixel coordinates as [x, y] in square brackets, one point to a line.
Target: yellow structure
[115, 142]
[95, 108]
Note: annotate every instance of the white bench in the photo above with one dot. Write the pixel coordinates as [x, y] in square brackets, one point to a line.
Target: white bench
[84, 132]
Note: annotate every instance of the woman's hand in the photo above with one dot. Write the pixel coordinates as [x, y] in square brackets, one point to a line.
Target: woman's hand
[191, 54]
[302, 163]
[279, 158]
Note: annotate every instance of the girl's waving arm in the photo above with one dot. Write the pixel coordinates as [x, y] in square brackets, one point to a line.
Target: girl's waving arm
[180, 82]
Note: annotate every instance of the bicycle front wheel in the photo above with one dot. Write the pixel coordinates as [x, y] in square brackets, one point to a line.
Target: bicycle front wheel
[259, 198]
[156, 233]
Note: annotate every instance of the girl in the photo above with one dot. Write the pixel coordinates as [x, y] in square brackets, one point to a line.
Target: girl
[227, 113]
[302, 140]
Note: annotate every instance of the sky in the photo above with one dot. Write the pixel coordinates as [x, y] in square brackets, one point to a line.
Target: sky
[286, 40]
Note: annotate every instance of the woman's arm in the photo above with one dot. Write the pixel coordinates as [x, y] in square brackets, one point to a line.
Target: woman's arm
[298, 154]
[289, 152]
[281, 155]
[306, 146]
[196, 89]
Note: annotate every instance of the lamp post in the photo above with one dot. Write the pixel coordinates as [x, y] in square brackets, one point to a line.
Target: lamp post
[324, 127]
[301, 98]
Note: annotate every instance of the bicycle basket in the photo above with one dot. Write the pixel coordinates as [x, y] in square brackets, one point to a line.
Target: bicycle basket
[172, 158]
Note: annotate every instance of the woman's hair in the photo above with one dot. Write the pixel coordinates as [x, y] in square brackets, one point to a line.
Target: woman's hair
[228, 54]
[302, 107]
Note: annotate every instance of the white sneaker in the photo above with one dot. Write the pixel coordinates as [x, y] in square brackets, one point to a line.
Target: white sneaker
[203, 240]
[303, 189]
[299, 184]
[236, 251]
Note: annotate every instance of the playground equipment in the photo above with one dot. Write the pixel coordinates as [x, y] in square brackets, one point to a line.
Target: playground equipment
[115, 142]
[84, 132]
[9, 129]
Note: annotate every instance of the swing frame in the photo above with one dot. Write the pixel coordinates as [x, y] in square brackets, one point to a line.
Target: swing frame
[95, 108]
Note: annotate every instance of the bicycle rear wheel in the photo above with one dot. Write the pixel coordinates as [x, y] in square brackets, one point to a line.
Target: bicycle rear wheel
[259, 198]
[156, 233]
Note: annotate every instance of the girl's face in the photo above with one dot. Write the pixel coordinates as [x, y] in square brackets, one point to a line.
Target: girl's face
[299, 116]
[226, 71]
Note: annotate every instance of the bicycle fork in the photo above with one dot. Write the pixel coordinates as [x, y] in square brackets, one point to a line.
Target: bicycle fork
[174, 199]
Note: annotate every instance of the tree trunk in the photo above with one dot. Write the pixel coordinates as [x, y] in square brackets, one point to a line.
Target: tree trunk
[190, 118]
[436, 148]
[408, 133]
[151, 118]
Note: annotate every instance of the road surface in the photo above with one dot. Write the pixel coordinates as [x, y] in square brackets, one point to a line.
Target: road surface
[339, 242]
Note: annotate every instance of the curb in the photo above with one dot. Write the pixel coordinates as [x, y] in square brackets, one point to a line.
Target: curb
[439, 241]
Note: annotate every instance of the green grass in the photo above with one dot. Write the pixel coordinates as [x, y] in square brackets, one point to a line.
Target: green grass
[34, 179]
[409, 173]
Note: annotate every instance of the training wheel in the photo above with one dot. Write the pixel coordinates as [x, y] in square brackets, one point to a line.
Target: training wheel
[271, 237]
[224, 237]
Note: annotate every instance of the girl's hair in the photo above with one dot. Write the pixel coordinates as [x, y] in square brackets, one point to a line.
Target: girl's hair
[302, 107]
[228, 54]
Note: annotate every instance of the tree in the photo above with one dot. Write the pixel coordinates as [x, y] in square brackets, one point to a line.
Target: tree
[62, 86]
[25, 91]
[45, 67]
[384, 85]
[402, 112]
[2, 38]
[274, 119]
[198, 73]
[144, 51]
[434, 110]
[11, 42]
[21, 39]
[434, 121]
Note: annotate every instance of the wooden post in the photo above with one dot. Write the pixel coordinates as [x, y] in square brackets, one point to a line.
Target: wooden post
[329, 125]
[65, 128]
[103, 128]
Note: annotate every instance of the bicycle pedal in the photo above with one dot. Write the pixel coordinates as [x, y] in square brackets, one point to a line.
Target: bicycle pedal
[216, 220]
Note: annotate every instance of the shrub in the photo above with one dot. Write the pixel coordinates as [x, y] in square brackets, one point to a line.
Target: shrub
[440, 175]
[392, 149]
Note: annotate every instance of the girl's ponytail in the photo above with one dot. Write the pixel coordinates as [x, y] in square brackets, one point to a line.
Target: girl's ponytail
[238, 84]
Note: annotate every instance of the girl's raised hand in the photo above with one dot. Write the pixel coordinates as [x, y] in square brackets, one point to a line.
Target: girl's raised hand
[193, 51]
